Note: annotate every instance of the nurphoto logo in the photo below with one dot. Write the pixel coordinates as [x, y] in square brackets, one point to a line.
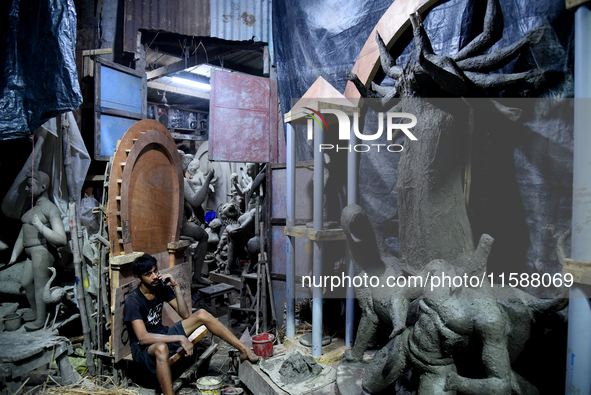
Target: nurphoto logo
[345, 129]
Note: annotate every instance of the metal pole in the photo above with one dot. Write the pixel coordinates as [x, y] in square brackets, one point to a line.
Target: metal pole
[578, 380]
[290, 221]
[352, 198]
[318, 225]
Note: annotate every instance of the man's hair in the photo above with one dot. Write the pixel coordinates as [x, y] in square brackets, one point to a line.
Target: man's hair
[143, 264]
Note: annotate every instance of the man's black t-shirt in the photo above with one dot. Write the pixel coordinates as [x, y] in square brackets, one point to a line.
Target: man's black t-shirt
[137, 307]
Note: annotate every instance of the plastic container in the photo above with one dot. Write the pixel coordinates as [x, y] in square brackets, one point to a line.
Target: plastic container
[209, 385]
[263, 345]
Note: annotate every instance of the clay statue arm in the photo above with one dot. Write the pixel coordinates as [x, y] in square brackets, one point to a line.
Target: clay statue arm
[19, 246]
[255, 184]
[196, 199]
[55, 234]
[238, 187]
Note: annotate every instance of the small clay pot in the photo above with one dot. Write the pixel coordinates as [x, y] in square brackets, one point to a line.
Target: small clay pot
[12, 321]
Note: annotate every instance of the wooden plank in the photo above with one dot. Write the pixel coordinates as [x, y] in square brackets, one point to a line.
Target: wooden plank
[391, 26]
[321, 95]
[182, 64]
[315, 235]
[95, 178]
[570, 4]
[180, 136]
[197, 335]
[178, 245]
[189, 374]
[226, 278]
[257, 381]
[176, 89]
[120, 113]
[119, 67]
[581, 271]
[118, 261]
[101, 51]
[217, 289]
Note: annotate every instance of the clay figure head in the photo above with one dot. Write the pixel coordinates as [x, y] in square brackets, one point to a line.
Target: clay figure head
[185, 160]
[37, 183]
[192, 168]
[229, 210]
[251, 170]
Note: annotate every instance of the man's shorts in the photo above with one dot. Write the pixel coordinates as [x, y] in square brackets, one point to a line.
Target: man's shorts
[140, 353]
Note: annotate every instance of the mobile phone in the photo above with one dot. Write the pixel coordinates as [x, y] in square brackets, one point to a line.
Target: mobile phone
[165, 281]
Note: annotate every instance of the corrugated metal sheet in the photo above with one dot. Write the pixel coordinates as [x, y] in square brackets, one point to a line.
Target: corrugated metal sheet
[187, 17]
[241, 20]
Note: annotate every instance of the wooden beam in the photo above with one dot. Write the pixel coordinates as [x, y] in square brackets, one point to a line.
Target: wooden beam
[182, 65]
[391, 26]
[92, 52]
[571, 4]
[175, 89]
[581, 271]
[197, 335]
[315, 235]
[181, 136]
[116, 262]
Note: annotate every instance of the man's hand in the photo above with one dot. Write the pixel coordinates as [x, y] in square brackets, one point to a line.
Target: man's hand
[187, 346]
[168, 280]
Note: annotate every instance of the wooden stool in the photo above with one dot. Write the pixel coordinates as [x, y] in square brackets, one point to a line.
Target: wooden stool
[214, 293]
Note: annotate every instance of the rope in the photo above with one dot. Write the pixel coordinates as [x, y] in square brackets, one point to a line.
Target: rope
[32, 168]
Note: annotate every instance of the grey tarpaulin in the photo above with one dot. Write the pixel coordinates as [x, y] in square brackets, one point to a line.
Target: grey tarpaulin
[521, 183]
[37, 57]
[48, 158]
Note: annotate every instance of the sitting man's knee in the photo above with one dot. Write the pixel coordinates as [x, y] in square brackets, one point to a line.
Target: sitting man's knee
[202, 314]
[161, 350]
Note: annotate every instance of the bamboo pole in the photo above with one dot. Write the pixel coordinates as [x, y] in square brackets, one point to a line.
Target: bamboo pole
[86, 284]
[80, 287]
[73, 213]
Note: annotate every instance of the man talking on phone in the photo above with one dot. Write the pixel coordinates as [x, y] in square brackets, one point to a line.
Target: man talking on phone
[152, 343]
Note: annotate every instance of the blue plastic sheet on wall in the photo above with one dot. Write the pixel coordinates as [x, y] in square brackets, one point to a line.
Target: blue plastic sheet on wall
[39, 78]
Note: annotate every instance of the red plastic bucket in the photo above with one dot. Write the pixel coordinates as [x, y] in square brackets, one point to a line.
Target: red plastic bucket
[263, 344]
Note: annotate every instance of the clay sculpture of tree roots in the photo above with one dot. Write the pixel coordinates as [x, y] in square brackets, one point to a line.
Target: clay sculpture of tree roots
[435, 233]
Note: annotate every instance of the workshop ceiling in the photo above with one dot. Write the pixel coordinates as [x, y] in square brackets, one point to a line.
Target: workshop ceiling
[173, 59]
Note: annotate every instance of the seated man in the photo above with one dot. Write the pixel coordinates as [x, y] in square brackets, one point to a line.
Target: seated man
[153, 343]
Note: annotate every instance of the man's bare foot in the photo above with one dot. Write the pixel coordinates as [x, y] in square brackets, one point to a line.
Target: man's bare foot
[250, 355]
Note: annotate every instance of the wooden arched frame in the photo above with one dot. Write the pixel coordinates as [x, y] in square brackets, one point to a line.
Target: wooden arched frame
[393, 23]
[152, 194]
[131, 153]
